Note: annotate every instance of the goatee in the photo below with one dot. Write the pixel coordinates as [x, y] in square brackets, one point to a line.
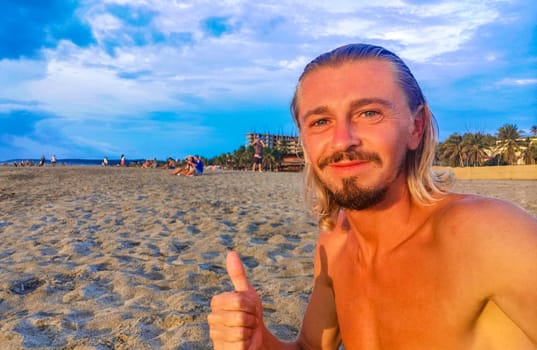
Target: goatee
[354, 197]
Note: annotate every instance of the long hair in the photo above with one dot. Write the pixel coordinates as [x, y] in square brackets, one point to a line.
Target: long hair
[424, 185]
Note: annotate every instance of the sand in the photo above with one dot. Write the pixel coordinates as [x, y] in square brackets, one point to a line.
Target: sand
[124, 258]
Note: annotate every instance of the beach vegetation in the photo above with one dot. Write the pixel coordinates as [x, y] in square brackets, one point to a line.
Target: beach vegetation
[508, 143]
[241, 158]
[451, 151]
[507, 147]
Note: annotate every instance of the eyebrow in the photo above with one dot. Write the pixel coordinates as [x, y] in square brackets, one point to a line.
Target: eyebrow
[369, 101]
[315, 111]
[353, 105]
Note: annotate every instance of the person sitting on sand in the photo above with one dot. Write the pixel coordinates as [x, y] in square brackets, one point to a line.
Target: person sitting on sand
[170, 164]
[196, 167]
[184, 170]
[401, 262]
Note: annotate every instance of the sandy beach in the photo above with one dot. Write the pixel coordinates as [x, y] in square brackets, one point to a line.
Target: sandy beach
[129, 258]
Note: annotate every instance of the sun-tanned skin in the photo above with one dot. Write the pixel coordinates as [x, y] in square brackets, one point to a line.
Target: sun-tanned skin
[460, 273]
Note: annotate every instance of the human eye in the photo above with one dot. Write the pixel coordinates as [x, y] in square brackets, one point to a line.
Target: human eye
[319, 122]
[371, 116]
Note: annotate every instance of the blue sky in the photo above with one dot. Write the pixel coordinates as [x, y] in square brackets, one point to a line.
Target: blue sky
[159, 78]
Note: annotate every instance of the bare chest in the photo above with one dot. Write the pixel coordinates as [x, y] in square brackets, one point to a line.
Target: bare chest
[412, 302]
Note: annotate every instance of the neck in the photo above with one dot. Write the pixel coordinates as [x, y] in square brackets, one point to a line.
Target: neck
[381, 229]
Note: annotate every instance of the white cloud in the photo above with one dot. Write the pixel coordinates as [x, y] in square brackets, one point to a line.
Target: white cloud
[297, 63]
[517, 82]
[423, 31]
[258, 61]
[30, 148]
[104, 23]
[85, 81]
[73, 89]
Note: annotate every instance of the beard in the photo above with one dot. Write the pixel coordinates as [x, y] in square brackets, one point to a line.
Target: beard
[354, 197]
[351, 195]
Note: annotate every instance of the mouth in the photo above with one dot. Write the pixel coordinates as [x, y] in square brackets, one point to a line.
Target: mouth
[345, 161]
[349, 165]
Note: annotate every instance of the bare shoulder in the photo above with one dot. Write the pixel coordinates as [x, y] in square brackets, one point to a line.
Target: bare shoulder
[491, 245]
[486, 227]
[463, 212]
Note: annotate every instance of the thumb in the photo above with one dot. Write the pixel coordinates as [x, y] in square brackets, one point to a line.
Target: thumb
[236, 272]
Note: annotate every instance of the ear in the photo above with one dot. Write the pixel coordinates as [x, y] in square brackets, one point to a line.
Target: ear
[417, 127]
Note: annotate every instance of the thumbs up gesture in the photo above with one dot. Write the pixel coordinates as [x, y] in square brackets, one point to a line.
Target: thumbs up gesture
[236, 318]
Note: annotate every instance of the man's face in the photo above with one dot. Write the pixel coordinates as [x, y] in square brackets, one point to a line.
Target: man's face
[356, 128]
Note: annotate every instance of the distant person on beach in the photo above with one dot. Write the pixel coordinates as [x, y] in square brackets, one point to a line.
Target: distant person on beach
[185, 169]
[197, 166]
[105, 161]
[193, 167]
[42, 161]
[170, 164]
[122, 160]
[53, 160]
[258, 154]
[401, 262]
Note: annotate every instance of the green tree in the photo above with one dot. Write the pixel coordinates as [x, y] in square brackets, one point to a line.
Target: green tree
[509, 146]
[240, 159]
[474, 148]
[529, 151]
[270, 158]
[245, 158]
[452, 150]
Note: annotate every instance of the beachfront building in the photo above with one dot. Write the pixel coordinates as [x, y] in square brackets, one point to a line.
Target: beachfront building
[289, 147]
[287, 143]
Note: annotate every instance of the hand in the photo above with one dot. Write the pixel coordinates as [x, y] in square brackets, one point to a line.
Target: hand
[236, 318]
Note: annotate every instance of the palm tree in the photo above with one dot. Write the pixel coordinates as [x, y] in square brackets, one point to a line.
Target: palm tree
[270, 158]
[508, 135]
[528, 151]
[452, 150]
[241, 158]
[221, 160]
[474, 148]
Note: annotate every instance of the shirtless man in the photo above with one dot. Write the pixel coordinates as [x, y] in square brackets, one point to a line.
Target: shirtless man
[258, 154]
[401, 263]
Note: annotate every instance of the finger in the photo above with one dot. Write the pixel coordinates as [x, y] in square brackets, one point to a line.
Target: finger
[236, 272]
[231, 319]
[226, 339]
[230, 335]
[231, 301]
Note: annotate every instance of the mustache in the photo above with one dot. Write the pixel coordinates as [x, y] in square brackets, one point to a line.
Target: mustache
[350, 156]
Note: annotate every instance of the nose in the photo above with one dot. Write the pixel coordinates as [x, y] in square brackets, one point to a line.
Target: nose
[345, 136]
